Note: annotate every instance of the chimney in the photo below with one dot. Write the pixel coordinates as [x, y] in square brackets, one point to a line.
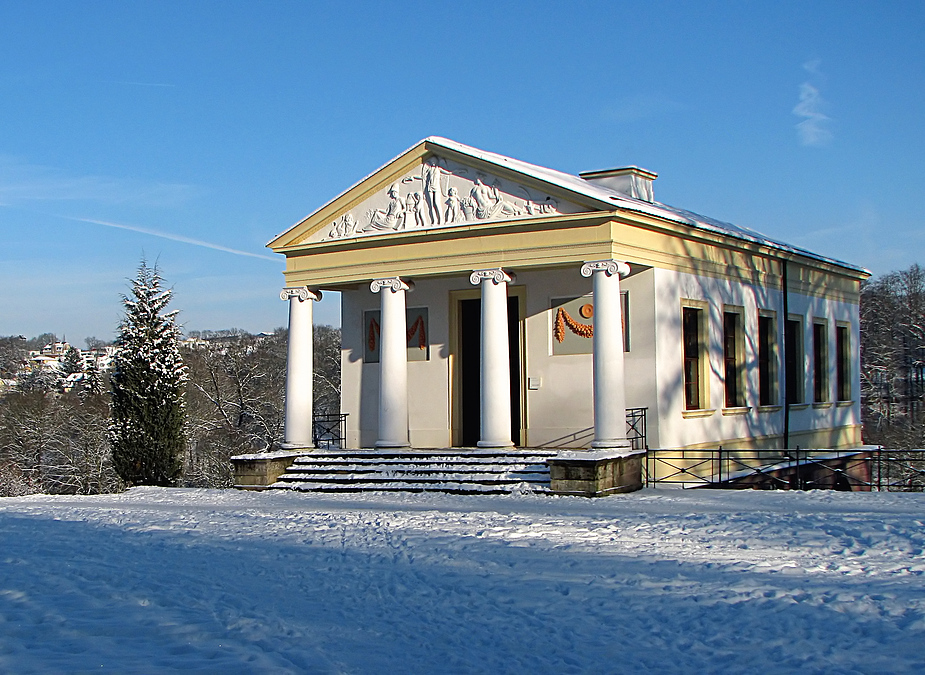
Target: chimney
[631, 181]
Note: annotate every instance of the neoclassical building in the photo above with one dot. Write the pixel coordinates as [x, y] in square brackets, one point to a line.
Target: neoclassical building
[488, 302]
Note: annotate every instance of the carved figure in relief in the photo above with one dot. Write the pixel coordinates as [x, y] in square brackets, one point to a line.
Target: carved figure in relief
[550, 205]
[390, 219]
[417, 209]
[433, 194]
[345, 227]
[501, 208]
[407, 219]
[468, 207]
[481, 195]
[452, 206]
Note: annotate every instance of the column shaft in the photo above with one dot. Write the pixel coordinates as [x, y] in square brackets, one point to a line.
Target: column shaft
[495, 362]
[609, 389]
[393, 364]
[299, 367]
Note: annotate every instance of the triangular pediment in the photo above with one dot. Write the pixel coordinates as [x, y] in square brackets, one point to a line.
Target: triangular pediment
[434, 186]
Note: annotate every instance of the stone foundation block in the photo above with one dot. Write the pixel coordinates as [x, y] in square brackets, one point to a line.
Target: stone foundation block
[595, 473]
[256, 472]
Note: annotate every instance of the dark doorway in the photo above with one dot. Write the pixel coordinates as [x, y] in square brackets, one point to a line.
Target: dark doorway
[470, 321]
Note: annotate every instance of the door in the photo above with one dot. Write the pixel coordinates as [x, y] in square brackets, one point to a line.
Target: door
[469, 355]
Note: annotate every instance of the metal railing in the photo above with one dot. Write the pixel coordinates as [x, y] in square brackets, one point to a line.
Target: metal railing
[898, 470]
[329, 430]
[636, 428]
[862, 469]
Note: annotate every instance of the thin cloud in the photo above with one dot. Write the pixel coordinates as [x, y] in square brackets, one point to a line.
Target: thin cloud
[814, 130]
[812, 67]
[175, 237]
[21, 183]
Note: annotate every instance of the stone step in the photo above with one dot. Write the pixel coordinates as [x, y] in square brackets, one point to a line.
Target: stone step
[420, 476]
[353, 467]
[461, 488]
[469, 472]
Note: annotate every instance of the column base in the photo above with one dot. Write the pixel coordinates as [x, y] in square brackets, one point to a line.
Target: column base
[392, 445]
[495, 444]
[290, 445]
[617, 446]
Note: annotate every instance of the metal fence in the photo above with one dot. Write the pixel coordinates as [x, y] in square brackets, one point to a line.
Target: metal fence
[328, 431]
[862, 469]
[636, 428]
[898, 470]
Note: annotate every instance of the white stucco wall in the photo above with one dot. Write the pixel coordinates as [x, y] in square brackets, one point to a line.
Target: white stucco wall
[677, 429]
[812, 416]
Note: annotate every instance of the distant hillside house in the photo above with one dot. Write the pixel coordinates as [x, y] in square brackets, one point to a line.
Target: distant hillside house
[489, 302]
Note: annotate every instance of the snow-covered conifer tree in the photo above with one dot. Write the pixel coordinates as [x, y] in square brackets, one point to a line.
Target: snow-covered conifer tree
[71, 363]
[146, 433]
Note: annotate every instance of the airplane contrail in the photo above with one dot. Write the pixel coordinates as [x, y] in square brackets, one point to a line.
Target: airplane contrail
[176, 237]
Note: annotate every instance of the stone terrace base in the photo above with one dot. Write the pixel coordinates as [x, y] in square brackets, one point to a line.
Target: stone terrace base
[595, 473]
[587, 473]
[259, 471]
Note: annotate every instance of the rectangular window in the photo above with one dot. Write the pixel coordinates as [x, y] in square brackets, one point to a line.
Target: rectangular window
[766, 342]
[733, 349]
[691, 323]
[843, 363]
[820, 363]
[793, 366]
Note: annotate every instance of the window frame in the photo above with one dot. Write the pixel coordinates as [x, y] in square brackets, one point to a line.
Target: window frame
[767, 356]
[794, 366]
[694, 354]
[821, 393]
[843, 385]
[733, 356]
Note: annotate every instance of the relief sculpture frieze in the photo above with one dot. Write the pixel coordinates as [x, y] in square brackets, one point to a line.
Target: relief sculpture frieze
[442, 193]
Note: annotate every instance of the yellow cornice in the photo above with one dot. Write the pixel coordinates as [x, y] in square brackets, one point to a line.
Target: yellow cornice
[459, 232]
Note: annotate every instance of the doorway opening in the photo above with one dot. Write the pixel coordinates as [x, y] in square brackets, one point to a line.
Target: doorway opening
[470, 321]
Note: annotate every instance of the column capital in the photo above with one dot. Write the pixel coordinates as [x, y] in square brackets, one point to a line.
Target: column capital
[394, 284]
[609, 267]
[496, 274]
[303, 293]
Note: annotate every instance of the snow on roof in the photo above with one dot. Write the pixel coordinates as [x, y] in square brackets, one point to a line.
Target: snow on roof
[616, 201]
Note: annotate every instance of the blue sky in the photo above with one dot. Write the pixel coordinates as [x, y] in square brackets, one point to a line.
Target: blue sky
[193, 132]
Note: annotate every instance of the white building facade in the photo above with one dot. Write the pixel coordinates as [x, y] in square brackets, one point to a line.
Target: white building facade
[491, 303]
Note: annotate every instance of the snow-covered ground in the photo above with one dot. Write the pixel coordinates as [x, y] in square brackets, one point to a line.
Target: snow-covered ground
[157, 580]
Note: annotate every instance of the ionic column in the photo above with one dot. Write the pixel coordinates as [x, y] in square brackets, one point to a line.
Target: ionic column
[299, 367]
[393, 363]
[609, 391]
[495, 362]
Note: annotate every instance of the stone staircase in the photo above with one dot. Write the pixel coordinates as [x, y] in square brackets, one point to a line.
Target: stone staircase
[456, 470]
